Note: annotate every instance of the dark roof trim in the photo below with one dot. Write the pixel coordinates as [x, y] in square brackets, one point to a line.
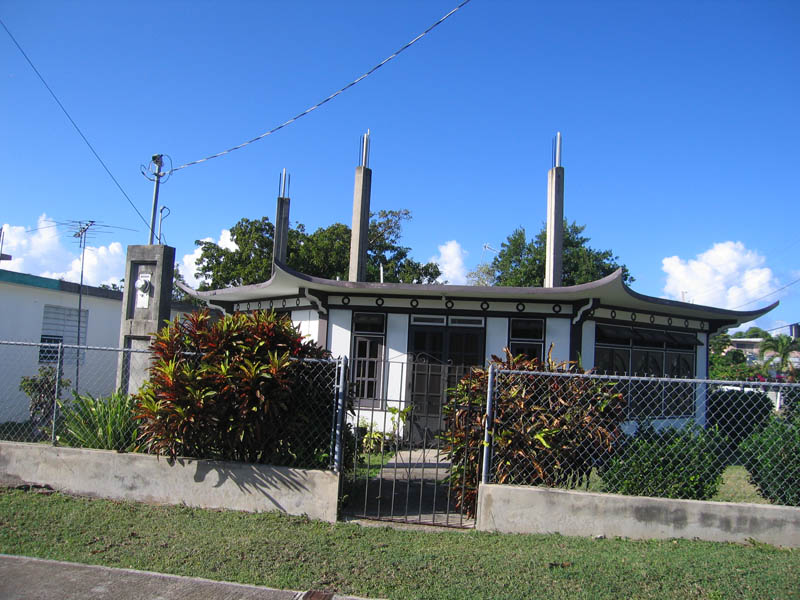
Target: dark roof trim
[754, 314]
[59, 285]
[610, 290]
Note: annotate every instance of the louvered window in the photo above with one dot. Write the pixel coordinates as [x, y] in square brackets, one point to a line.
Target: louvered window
[60, 324]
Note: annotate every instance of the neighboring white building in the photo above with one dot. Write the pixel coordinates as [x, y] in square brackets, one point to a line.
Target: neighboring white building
[41, 309]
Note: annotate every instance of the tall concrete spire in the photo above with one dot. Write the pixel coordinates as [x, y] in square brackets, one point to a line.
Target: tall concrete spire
[555, 219]
[361, 197]
[280, 240]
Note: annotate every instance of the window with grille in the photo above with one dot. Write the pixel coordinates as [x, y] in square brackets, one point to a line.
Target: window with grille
[649, 353]
[526, 336]
[369, 337]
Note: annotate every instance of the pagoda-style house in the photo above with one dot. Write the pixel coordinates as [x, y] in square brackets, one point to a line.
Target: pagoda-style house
[406, 343]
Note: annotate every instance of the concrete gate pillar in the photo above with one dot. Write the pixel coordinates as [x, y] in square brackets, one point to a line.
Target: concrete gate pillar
[146, 304]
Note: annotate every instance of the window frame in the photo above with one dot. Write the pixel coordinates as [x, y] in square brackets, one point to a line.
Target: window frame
[665, 351]
[517, 343]
[360, 379]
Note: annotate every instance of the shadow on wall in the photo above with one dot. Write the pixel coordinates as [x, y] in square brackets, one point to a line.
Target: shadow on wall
[252, 478]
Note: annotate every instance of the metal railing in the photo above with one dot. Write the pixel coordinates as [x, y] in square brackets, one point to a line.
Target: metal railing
[401, 470]
[647, 436]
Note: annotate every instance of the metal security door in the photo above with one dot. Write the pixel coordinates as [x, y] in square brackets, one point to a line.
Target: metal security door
[401, 472]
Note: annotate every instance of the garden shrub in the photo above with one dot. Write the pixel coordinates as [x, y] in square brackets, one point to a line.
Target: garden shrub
[547, 430]
[791, 402]
[737, 414]
[772, 458]
[41, 389]
[671, 463]
[102, 423]
[238, 389]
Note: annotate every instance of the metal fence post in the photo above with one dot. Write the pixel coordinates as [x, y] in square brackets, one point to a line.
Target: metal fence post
[57, 391]
[488, 439]
[341, 409]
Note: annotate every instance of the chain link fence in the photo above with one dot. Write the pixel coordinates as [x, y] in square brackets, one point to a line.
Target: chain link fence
[49, 391]
[81, 396]
[645, 436]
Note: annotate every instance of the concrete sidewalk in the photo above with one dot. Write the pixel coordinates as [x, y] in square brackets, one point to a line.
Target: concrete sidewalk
[24, 578]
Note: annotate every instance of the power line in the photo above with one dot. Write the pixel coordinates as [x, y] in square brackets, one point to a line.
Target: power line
[74, 124]
[332, 96]
[767, 295]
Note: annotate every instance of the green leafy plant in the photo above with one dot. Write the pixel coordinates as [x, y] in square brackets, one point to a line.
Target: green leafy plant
[736, 414]
[772, 457]
[547, 429]
[103, 423]
[238, 388]
[41, 389]
[671, 463]
[372, 441]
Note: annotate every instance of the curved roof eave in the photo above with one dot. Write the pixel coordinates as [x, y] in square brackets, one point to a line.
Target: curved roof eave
[287, 281]
[610, 290]
[699, 310]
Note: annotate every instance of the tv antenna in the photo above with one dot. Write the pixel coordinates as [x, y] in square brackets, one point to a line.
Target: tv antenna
[82, 231]
[2, 239]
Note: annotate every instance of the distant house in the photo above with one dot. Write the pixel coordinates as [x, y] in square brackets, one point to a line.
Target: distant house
[751, 348]
[748, 346]
[45, 310]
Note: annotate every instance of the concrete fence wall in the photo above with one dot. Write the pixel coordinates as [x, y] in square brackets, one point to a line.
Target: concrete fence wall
[521, 509]
[146, 478]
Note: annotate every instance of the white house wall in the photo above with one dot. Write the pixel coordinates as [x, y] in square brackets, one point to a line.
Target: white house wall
[21, 313]
[701, 368]
[557, 335]
[496, 336]
[307, 321]
[396, 356]
[587, 344]
[339, 323]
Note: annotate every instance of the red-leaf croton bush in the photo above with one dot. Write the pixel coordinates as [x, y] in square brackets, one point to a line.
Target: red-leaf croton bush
[547, 430]
[236, 388]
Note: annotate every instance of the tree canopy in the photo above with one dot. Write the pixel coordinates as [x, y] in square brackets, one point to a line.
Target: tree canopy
[323, 253]
[752, 332]
[521, 262]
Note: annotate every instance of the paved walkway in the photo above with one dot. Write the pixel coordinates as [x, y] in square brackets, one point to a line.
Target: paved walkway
[23, 578]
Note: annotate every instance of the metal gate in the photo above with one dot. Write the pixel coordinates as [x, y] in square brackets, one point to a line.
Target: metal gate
[401, 469]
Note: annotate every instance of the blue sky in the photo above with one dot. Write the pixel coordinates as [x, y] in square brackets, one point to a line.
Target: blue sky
[680, 127]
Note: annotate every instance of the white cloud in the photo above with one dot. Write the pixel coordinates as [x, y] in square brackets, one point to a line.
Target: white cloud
[451, 262]
[728, 275]
[101, 265]
[189, 261]
[225, 240]
[41, 252]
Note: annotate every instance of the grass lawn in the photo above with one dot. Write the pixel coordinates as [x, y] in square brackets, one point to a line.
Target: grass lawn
[296, 553]
[369, 465]
[735, 486]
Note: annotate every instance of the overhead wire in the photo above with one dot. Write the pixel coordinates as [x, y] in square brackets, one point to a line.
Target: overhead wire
[767, 295]
[329, 98]
[74, 124]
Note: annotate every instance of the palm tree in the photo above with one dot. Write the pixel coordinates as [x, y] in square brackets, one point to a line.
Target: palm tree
[782, 347]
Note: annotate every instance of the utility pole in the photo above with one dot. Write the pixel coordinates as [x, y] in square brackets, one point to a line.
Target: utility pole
[81, 234]
[158, 161]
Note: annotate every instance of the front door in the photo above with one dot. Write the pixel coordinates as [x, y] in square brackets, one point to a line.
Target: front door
[406, 476]
[441, 356]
